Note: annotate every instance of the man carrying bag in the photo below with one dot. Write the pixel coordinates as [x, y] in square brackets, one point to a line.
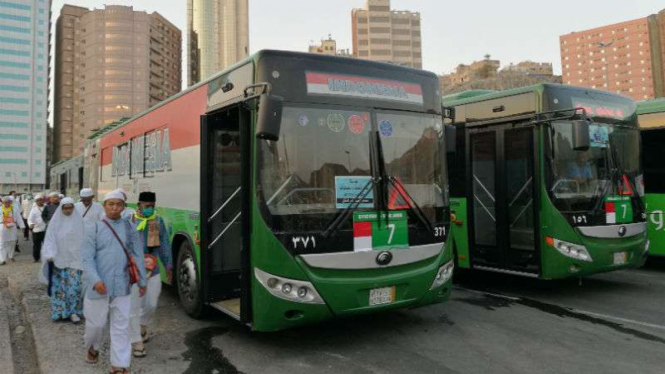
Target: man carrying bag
[112, 258]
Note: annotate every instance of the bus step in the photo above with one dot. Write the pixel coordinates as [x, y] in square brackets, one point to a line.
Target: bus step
[230, 307]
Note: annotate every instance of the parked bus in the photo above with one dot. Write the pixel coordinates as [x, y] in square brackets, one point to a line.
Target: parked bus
[652, 128]
[546, 182]
[296, 187]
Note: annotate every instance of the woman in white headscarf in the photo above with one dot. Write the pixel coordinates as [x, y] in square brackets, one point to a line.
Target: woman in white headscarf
[63, 247]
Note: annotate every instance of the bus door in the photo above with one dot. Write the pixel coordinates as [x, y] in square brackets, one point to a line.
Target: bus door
[502, 204]
[225, 143]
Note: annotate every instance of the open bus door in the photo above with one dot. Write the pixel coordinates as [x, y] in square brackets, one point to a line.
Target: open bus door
[225, 220]
[503, 207]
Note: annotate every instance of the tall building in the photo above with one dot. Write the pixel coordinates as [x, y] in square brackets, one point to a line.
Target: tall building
[24, 80]
[625, 58]
[385, 35]
[218, 36]
[110, 63]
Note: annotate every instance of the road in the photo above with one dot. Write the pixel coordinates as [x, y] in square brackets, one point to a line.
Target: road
[494, 323]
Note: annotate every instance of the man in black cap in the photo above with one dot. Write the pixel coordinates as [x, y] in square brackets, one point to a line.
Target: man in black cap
[156, 244]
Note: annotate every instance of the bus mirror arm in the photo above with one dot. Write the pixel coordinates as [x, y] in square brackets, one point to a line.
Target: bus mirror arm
[269, 117]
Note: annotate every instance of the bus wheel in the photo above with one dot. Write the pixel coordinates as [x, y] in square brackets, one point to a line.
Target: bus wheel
[189, 289]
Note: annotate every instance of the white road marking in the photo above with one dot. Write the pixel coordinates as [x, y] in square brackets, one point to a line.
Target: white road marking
[591, 314]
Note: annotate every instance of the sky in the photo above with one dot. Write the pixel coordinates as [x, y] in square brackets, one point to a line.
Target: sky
[453, 32]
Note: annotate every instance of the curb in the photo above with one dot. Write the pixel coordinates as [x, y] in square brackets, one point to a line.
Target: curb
[17, 294]
[7, 366]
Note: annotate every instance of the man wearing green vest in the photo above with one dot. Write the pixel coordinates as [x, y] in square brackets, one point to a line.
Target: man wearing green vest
[156, 244]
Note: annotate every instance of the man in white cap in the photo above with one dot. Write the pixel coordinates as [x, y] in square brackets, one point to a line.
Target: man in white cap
[11, 220]
[26, 206]
[37, 225]
[109, 247]
[89, 209]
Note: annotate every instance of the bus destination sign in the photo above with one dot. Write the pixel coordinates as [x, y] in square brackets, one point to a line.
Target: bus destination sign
[363, 87]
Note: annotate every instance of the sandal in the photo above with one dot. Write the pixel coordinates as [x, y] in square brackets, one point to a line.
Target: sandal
[138, 350]
[118, 371]
[92, 357]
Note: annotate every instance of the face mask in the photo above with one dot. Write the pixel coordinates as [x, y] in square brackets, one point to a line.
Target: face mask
[147, 212]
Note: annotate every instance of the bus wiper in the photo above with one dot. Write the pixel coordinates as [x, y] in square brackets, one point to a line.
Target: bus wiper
[337, 222]
[413, 205]
[342, 217]
[397, 185]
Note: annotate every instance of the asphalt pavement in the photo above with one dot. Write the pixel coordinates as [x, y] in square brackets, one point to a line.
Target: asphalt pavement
[494, 323]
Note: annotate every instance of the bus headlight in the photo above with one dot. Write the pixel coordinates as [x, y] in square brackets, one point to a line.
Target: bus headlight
[576, 251]
[288, 289]
[443, 275]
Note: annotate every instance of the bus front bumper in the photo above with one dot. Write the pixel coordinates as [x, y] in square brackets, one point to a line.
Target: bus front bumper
[604, 255]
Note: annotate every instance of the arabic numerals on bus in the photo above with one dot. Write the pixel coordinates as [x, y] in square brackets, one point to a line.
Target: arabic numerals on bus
[579, 219]
[440, 231]
[657, 219]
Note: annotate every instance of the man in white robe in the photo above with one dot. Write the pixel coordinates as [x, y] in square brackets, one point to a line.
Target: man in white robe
[11, 222]
[105, 252]
[90, 210]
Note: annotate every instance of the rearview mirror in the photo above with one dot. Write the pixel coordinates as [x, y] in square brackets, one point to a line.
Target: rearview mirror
[450, 135]
[581, 139]
[270, 117]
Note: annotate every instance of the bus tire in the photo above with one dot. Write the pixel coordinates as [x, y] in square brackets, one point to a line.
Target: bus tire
[189, 287]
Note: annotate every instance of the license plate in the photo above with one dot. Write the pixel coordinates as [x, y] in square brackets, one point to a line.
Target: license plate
[620, 258]
[379, 296]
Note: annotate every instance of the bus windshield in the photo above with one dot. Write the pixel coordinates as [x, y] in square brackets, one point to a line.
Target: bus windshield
[580, 180]
[322, 161]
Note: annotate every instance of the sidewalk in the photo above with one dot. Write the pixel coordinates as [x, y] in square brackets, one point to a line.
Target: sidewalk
[59, 345]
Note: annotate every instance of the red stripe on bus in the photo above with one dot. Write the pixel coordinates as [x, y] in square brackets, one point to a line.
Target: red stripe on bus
[182, 117]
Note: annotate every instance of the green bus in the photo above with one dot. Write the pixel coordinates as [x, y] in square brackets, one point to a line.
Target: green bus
[546, 182]
[652, 128]
[296, 187]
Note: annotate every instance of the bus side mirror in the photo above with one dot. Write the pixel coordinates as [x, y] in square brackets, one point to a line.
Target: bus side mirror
[450, 135]
[581, 139]
[270, 117]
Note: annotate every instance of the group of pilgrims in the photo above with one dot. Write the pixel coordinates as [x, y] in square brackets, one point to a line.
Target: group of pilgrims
[100, 262]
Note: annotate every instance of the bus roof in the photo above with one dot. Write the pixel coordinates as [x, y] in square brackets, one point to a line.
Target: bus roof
[516, 91]
[256, 57]
[651, 106]
[465, 95]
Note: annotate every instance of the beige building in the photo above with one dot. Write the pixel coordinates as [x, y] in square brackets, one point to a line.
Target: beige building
[531, 68]
[326, 47]
[218, 33]
[385, 35]
[110, 63]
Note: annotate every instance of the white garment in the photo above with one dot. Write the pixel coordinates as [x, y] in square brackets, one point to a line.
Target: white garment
[96, 312]
[143, 308]
[96, 212]
[7, 251]
[26, 206]
[8, 234]
[35, 218]
[63, 238]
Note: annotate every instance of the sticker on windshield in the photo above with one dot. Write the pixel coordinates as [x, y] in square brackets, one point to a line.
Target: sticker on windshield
[348, 190]
[303, 120]
[599, 136]
[336, 122]
[356, 124]
[385, 128]
[618, 209]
